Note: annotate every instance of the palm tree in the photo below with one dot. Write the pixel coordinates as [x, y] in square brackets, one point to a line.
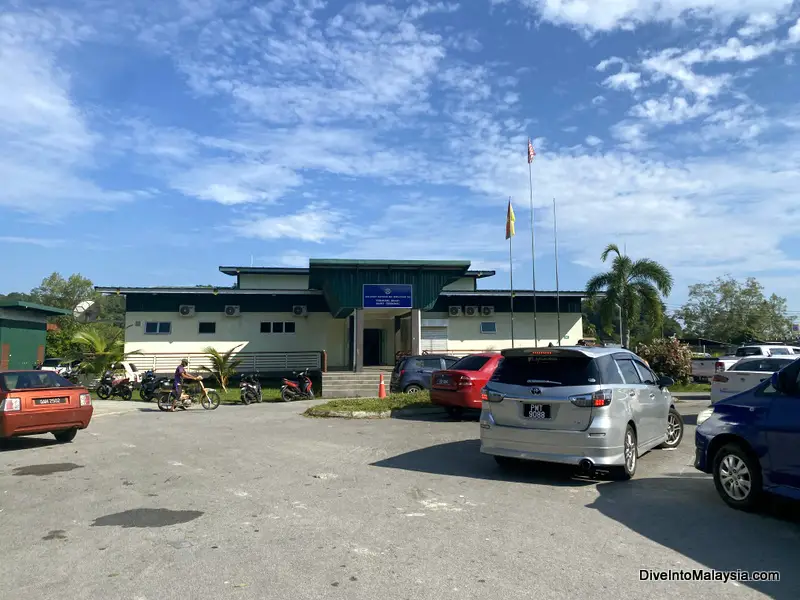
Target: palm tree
[223, 365]
[100, 349]
[632, 287]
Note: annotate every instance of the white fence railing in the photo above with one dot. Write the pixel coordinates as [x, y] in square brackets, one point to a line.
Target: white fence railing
[261, 362]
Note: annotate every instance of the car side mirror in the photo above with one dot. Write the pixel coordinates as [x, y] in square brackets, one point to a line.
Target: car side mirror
[665, 382]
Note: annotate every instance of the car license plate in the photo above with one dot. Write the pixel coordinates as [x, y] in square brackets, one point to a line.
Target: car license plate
[443, 380]
[45, 401]
[537, 412]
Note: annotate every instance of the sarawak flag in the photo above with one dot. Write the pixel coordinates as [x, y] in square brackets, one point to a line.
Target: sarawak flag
[510, 218]
[531, 151]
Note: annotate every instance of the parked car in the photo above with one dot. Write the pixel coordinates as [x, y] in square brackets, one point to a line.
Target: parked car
[59, 365]
[413, 373]
[750, 442]
[596, 408]
[461, 386]
[34, 402]
[746, 374]
[705, 369]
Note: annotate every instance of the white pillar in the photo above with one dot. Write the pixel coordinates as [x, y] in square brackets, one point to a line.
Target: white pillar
[416, 332]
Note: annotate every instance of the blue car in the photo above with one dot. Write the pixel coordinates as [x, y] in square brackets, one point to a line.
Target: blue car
[750, 442]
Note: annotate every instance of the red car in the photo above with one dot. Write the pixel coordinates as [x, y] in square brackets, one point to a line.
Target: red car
[33, 402]
[460, 386]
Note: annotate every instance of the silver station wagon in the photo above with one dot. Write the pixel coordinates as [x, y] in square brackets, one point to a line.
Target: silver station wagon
[596, 408]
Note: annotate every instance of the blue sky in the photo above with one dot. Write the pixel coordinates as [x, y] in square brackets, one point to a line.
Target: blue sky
[146, 143]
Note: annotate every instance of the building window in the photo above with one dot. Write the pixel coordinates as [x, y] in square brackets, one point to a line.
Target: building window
[488, 327]
[158, 328]
[278, 327]
[209, 327]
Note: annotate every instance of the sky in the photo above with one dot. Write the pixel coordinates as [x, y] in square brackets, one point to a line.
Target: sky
[148, 142]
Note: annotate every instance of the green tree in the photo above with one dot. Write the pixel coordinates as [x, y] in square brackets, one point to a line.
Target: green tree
[99, 348]
[223, 365]
[728, 310]
[667, 356]
[632, 288]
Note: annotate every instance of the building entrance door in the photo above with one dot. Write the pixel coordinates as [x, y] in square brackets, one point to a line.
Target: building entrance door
[373, 347]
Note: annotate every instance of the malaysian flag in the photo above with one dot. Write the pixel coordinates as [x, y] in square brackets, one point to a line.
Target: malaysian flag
[531, 151]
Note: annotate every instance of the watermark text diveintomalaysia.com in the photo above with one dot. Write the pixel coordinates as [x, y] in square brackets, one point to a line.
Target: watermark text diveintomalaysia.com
[708, 575]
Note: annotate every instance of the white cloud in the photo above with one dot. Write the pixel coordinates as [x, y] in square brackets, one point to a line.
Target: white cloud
[592, 16]
[624, 81]
[31, 241]
[631, 135]
[317, 222]
[669, 109]
[757, 24]
[794, 33]
[593, 141]
[598, 100]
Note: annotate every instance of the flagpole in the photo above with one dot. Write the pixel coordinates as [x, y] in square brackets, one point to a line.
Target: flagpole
[511, 273]
[533, 243]
[558, 295]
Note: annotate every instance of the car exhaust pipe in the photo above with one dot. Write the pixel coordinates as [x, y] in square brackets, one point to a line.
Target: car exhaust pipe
[586, 466]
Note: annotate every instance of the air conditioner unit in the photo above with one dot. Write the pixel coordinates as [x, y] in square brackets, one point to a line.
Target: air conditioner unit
[186, 310]
[472, 311]
[232, 311]
[455, 311]
[487, 311]
[300, 311]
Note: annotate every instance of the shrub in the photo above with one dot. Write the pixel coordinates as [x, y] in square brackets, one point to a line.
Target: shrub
[667, 356]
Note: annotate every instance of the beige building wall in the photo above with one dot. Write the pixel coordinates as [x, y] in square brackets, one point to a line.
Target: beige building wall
[273, 282]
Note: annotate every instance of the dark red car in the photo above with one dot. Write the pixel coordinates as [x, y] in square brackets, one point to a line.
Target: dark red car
[33, 402]
[459, 387]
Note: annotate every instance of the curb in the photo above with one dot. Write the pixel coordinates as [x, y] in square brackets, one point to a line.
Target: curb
[384, 414]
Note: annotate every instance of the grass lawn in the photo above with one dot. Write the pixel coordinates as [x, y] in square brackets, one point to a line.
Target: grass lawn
[690, 387]
[391, 402]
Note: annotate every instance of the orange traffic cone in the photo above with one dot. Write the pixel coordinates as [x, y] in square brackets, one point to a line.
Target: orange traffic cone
[381, 388]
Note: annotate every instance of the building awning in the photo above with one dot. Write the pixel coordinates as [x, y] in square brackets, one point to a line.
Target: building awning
[342, 281]
[40, 309]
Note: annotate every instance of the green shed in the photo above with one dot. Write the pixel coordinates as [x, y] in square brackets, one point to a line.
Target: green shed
[23, 333]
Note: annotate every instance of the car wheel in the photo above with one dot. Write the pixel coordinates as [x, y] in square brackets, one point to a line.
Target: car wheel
[103, 392]
[66, 436]
[674, 430]
[455, 412]
[737, 477]
[630, 453]
[413, 389]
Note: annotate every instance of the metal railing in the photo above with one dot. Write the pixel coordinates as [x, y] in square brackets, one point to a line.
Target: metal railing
[261, 362]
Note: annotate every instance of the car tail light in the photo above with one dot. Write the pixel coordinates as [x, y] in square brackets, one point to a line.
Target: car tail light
[464, 382]
[85, 400]
[12, 404]
[483, 395]
[719, 367]
[595, 399]
[720, 378]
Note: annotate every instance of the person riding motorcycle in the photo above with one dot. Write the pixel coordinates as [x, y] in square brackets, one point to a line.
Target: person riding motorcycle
[180, 374]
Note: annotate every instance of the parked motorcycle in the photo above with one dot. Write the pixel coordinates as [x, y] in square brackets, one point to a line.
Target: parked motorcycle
[72, 374]
[250, 388]
[299, 389]
[111, 385]
[150, 385]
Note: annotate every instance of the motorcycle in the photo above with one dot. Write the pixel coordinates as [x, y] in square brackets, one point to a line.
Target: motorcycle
[192, 392]
[114, 386]
[149, 386]
[72, 374]
[299, 389]
[250, 388]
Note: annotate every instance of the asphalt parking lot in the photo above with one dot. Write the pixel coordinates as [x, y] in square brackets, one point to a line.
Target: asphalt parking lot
[259, 502]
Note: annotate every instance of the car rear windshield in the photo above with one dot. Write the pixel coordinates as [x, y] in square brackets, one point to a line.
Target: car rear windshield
[470, 363]
[749, 352]
[547, 370]
[32, 381]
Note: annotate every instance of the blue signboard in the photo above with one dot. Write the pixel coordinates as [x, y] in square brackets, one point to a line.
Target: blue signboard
[387, 296]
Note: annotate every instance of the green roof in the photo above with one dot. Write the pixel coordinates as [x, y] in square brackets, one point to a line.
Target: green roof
[50, 311]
